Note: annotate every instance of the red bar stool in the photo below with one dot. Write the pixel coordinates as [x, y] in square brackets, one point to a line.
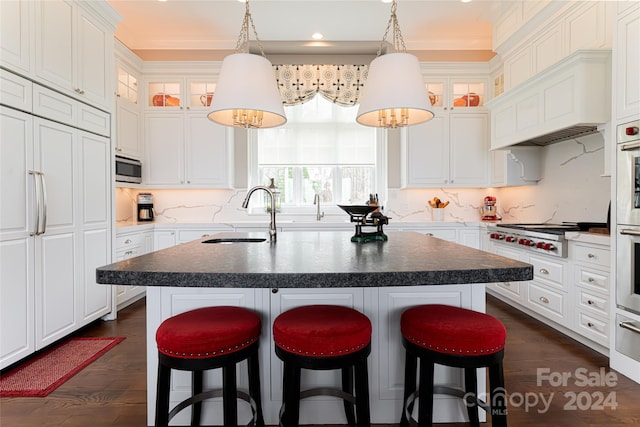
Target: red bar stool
[324, 337]
[203, 339]
[457, 337]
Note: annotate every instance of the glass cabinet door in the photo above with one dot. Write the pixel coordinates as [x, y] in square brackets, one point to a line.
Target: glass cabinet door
[201, 94]
[164, 94]
[127, 85]
[468, 94]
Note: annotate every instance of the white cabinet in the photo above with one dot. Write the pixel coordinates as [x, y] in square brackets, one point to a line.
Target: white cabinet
[74, 50]
[573, 92]
[53, 240]
[326, 409]
[16, 24]
[392, 303]
[17, 247]
[451, 150]
[187, 149]
[591, 280]
[129, 245]
[626, 60]
[570, 294]
[163, 239]
[128, 117]
[128, 129]
[560, 30]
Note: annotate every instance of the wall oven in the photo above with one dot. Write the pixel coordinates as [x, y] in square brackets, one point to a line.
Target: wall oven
[128, 170]
[628, 159]
[627, 332]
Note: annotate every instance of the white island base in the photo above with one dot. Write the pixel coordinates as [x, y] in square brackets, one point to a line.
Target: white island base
[383, 305]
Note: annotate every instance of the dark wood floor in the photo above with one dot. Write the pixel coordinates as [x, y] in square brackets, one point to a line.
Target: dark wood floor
[111, 391]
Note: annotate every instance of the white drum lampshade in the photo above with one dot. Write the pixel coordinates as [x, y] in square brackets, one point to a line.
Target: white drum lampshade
[247, 94]
[394, 94]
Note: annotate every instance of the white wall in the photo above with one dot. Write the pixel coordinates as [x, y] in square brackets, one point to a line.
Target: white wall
[572, 190]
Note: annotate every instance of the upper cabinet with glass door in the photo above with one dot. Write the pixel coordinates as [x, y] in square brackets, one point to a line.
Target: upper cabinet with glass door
[179, 94]
[127, 85]
[448, 94]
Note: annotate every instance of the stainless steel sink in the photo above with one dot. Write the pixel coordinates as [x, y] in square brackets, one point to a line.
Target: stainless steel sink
[229, 240]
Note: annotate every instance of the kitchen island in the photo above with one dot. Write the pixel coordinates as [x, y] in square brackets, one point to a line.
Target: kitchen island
[380, 279]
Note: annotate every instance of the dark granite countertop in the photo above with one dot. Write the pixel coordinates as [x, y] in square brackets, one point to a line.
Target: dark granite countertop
[314, 260]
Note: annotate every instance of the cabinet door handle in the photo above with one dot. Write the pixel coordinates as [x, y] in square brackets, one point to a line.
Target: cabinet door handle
[43, 187]
[591, 256]
[274, 290]
[544, 271]
[544, 300]
[36, 189]
[126, 242]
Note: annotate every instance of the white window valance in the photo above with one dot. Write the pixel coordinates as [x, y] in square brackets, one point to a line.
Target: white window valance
[340, 84]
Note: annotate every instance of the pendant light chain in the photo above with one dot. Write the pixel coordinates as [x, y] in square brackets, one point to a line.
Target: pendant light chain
[398, 40]
[243, 37]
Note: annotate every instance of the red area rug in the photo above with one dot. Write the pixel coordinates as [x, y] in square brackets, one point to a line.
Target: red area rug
[41, 375]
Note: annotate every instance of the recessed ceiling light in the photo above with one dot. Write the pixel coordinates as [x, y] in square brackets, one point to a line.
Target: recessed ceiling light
[465, 1]
[387, 1]
[317, 36]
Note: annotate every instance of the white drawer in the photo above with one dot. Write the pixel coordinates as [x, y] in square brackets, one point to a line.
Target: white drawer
[190, 235]
[15, 91]
[593, 279]
[444, 234]
[549, 271]
[54, 106]
[547, 302]
[592, 327]
[94, 120]
[592, 255]
[128, 241]
[512, 288]
[596, 304]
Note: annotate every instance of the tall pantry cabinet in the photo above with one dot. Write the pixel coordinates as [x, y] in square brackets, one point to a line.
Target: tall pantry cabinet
[55, 183]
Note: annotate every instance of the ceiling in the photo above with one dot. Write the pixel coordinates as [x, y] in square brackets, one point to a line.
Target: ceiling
[178, 26]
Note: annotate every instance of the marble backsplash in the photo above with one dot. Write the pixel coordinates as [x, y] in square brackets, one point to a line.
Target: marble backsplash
[572, 189]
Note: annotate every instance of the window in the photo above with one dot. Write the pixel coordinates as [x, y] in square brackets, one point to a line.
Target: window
[320, 150]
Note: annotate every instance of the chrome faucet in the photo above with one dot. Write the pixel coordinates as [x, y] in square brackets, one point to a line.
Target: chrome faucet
[272, 225]
[316, 201]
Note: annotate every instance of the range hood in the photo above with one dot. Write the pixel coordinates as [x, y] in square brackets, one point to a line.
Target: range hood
[567, 100]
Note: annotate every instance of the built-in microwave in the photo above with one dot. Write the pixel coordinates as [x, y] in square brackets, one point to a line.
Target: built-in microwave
[128, 170]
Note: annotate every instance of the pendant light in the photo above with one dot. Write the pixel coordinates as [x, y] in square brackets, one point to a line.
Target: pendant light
[247, 94]
[394, 94]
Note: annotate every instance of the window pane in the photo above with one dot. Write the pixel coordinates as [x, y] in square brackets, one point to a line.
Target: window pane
[357, 183]
[317, 180]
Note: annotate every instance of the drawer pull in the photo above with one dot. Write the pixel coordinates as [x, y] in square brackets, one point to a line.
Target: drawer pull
[591, 280]
[630, 326]
[126, 242]
[590, 302]
[591, 256]
[544, 300]
[128, 252]
[589, 324]
[544, 271]
[507, 284]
